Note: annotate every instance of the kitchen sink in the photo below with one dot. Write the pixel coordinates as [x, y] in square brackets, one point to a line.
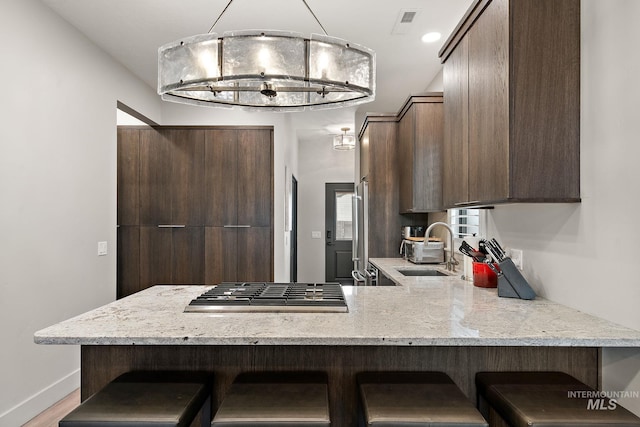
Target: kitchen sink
[416, 272]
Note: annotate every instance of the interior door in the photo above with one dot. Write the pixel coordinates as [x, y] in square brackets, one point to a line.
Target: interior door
[338, 232]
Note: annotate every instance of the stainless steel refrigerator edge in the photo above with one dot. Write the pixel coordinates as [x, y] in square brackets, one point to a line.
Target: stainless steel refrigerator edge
[363, 272]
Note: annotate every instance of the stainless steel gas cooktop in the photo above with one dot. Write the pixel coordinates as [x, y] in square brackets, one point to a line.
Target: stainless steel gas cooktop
[271, 297]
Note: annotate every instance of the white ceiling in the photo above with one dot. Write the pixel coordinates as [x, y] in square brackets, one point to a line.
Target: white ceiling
[132, 30]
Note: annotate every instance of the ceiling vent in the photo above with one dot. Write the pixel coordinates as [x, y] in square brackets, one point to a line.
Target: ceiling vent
[404, 21]
[407, 17]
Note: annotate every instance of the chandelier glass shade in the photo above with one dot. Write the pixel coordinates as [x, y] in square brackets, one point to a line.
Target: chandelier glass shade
[344, 141]
[266, 70]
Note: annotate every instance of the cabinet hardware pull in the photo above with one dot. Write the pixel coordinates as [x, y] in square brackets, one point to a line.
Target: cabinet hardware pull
[473, 202]
[355, 256]
[236, 226]
[171, 226]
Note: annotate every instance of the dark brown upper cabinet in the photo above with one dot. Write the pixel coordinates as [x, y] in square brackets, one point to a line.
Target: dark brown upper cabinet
[128, 159]
[239, 178]
[512, 104]
[420, 140]
[172, 174]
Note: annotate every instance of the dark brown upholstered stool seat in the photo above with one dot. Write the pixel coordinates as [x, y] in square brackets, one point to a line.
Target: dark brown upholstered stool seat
[414, 399]
[270, 399]
[147, 399]
[543, 399]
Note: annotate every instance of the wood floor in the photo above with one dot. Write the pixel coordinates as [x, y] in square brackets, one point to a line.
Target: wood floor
[51, 416]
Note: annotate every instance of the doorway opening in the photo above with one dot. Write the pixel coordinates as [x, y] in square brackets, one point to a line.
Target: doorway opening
[293, 265]
[339, 232]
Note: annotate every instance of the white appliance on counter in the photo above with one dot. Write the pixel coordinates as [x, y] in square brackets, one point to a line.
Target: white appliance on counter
[363, 272]
[423, 253]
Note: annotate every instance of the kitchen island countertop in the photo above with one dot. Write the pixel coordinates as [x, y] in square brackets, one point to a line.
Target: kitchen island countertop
[433, 311]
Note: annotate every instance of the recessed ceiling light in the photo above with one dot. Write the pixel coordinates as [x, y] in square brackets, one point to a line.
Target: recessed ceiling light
[431, 37]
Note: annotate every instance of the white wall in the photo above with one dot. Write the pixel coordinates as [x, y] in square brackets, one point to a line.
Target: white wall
[437, 83]
[578, 254]
[318, 164]
[285, 154]
[58, 195]
[58, 192]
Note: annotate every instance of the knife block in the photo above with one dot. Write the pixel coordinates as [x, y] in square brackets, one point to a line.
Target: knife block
[511, 284]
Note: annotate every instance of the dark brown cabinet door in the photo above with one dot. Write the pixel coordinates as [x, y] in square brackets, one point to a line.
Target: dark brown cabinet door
[455, 179]
[128, 158]
[186, 176]
[172, 175]
[238, 254]
[255, 254]
[128, 260]
[255, 186]
[171, 255]
[406, 156]
[239, 177]
[420, 139]
[187, 255]
[155, 178]
[221, 177]
[489, 105]
[384, 220]
[221, 255]
[155, 256]
[427, 176]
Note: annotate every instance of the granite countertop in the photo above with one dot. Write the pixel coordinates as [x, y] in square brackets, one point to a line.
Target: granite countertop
[425, 311]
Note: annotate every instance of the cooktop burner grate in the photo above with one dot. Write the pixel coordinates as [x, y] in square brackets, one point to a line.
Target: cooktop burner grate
[271, 297]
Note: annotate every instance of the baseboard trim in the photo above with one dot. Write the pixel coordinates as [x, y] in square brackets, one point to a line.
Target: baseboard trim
[32, 406]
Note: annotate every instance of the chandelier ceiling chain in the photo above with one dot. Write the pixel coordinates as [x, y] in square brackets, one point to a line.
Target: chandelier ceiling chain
[220, 16]
[303, 1]
[314, 15]
[266, 70]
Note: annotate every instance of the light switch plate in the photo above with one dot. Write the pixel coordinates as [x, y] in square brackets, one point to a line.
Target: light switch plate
[102, 248]
[316, 234]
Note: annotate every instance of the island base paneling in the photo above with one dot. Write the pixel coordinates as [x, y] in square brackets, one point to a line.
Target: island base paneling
[102, 363]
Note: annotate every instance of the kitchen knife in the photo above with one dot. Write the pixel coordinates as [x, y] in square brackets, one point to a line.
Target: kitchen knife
[497, 246]
[494, 268]
[493, 252]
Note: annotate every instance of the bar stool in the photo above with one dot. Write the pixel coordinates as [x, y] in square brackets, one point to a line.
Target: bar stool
[414, 399]
[270, 399]
[147, 399]
[549, 399]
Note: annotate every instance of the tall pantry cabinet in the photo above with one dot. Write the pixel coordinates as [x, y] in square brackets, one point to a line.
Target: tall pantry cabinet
[195, 205]
[239, 205]
[379, 165]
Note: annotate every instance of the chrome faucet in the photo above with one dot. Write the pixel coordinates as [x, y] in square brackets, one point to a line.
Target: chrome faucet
[451, 264]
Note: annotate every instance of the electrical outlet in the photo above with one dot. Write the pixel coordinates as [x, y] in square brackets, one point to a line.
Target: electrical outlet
[516, 257]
